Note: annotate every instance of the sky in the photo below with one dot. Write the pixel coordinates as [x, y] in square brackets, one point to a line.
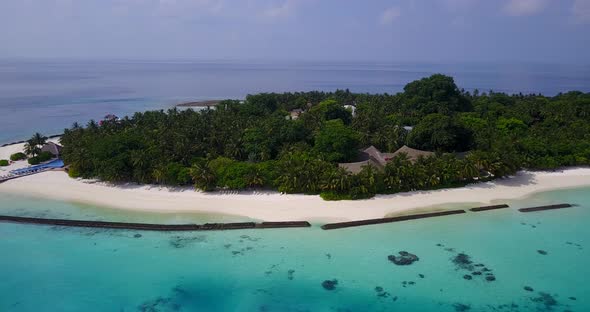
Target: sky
[554, 31]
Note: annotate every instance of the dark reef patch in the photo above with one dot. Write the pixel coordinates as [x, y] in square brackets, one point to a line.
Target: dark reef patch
[528, 288]
[460, 307]
[404, 258]
[330, 284]
[290, 274]
[542, 252]
[381, 293]
[159, 304]
[137, 235]
[463, 261]
[248, 238]
[181, 242]
[547, 300]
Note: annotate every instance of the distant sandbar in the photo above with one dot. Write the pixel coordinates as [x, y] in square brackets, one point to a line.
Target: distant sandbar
[199, 103]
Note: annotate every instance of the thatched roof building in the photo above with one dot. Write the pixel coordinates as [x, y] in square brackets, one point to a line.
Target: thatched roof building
[412, 153]
[372, 156]
[53, 148]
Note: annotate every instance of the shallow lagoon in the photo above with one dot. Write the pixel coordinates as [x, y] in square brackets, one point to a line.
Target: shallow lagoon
[68, 269]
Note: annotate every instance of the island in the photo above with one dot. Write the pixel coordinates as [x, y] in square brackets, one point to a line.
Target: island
[339, 145]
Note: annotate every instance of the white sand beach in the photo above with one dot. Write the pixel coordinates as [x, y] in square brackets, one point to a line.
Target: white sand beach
[8, 150]
[271, 206]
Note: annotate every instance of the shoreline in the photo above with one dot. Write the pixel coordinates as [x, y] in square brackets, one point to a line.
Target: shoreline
[273, 206]
[204, 103]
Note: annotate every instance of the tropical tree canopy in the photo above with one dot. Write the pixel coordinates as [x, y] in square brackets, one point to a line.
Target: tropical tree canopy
[254, 143]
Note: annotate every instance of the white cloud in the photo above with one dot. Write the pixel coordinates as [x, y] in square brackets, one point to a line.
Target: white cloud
[389, 16]
[581, 11]
[524, 7]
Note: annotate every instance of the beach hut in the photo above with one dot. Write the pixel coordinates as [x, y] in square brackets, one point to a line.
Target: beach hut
[368, 156]
[412, 153]
[54, 149]
[372, 156]
[295, 113]
[351, 108]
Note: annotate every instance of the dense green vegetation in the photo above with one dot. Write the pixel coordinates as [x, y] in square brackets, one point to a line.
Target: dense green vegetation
[4, 162]
[33, 148]
[18, 156]
[255, 143]
[42, 157]
[34, 144]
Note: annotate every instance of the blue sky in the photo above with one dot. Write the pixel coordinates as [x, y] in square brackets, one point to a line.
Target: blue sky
[364, 30]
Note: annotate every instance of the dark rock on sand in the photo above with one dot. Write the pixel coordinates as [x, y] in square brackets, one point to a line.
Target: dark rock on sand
[467, 277]
[542, 252]
[463, 261]
[572, 298]
[459, 307]
[546, 299]
[378, 289]
[404, 258]
[421, 275]
[528, 288]
[490, 278]
[137, 235]
[330, 284]
[476, 273]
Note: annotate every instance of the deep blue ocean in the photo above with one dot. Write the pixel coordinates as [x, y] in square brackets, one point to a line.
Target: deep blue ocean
[49, 95]
[539, 261]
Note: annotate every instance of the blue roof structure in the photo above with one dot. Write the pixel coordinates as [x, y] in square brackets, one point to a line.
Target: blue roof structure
[58, 163]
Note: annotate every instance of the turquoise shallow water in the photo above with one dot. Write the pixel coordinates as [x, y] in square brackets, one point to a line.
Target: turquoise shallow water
[67, 269]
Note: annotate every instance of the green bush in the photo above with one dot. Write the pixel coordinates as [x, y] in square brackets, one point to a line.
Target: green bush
[4, 162]
[45, 156]
[331, 196]
[34, 160]
[73, 172]
[18, 156]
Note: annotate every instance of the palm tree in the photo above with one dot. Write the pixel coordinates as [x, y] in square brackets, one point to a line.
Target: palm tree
[31, 149]
[369, 178]
[336, 180]
[254, 177]
[159, 174]
[468, 170]
[39, 139]
[203, 177]
[34, 144]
